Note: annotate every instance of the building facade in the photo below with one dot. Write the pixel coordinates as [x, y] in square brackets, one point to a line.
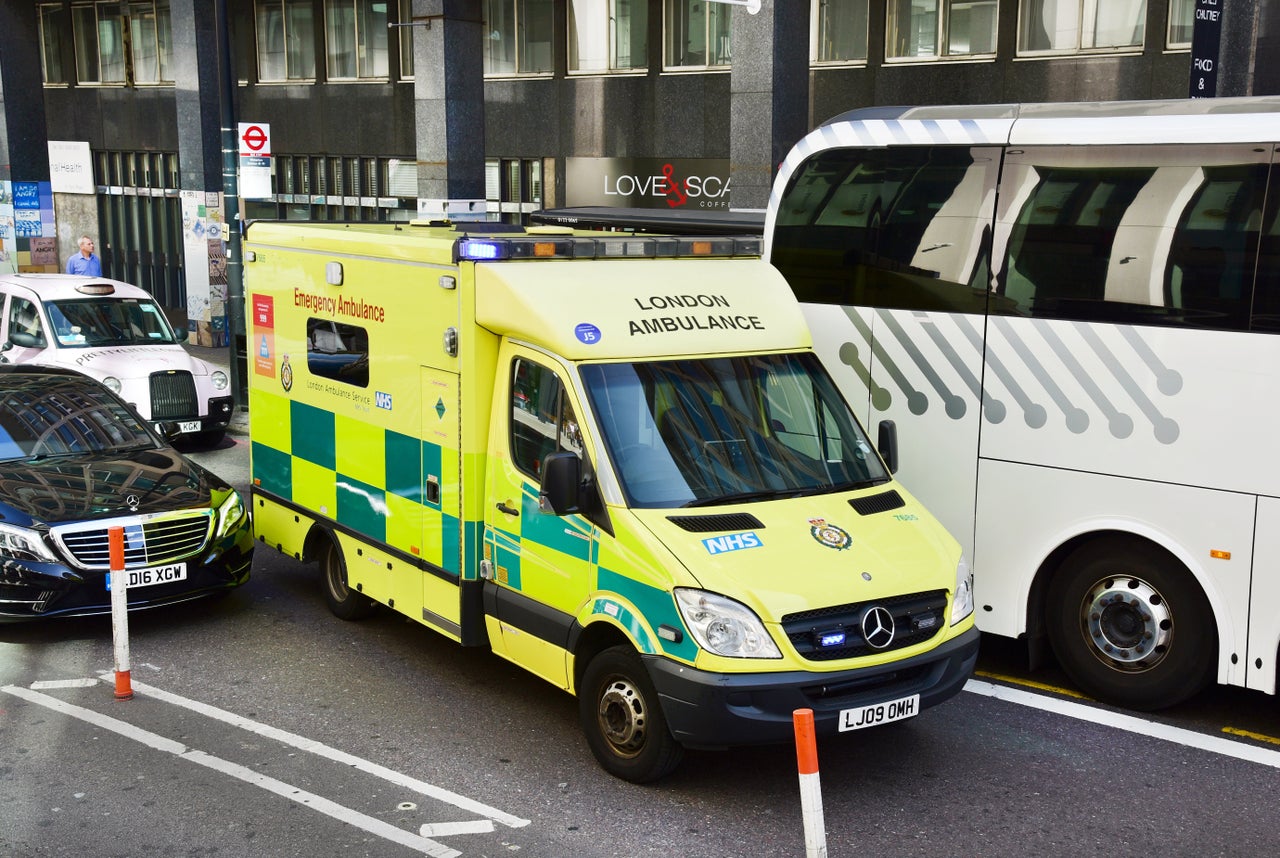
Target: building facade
[126, 119]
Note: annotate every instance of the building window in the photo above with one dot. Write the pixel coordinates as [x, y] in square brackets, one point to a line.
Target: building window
[1074, 26]
[356, 39]
[936, 29]
[150, 43]
[513, 187]
[406, 39]
[1181, 16]
[609, 36]
[839, 31]
[697, 34]
[518, 36]
[98, 30]
[53, 22]
[286, 40]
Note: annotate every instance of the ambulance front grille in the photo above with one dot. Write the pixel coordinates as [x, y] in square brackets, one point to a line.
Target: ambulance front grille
[173, 395]
[827, 634]
[146, 543]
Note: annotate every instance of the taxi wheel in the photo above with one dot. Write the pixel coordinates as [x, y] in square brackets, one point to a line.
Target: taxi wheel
[620, 715]
[1130, 626]
[344, 602]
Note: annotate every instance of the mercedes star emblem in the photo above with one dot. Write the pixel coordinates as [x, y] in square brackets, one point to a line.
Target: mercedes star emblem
[877, 627]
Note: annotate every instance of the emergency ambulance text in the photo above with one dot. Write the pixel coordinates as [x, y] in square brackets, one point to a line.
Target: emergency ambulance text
[708, 322]
[330, 306]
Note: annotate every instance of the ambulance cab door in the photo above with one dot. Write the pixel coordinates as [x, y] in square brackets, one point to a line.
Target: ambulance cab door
[544, 565]
[438, 479]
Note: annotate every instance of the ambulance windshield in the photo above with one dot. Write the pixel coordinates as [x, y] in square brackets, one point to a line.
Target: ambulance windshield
[711, 431]
[109, 322]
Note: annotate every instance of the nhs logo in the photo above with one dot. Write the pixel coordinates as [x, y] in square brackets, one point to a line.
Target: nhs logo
[382, 400]
[731, 542]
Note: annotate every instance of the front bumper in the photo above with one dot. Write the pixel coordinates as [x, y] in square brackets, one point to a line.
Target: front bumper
[720, 710]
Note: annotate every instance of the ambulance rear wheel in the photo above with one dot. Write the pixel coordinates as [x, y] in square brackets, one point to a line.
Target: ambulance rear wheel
[620, 715]
[344, 602]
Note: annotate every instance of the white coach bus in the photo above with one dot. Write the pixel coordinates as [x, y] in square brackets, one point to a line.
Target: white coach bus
[1071, 312]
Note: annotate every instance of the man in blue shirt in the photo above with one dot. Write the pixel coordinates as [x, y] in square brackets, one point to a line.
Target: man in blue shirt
[85, 262]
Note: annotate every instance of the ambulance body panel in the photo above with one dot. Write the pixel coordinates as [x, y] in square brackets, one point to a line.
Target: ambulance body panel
[115, 333]
[617, 465]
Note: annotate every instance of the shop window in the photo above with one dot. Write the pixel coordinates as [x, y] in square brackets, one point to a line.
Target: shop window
[53, 22]
[608, 37]
[1081, 26]
[356, 39]
[517, 37]
[839, 31]
[940, 29]
[286, 40]
[696, 34]
[513, 187]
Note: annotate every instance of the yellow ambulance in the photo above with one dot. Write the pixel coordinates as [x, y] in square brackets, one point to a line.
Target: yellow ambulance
[614, 460]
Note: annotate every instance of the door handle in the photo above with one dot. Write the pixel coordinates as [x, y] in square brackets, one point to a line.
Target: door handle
[503, 508]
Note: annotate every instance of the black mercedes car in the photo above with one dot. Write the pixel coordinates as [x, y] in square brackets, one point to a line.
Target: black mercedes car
[75, 460]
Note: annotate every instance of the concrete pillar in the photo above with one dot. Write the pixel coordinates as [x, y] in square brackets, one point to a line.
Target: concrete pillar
[24, 141]
[448, 92]
[769, 92]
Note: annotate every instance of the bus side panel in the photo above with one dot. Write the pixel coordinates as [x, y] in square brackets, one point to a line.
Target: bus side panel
[1025, 512]
[1264, 621]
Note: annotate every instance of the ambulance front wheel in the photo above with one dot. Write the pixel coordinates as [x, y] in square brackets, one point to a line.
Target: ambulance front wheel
[344, 602]
[622, 719]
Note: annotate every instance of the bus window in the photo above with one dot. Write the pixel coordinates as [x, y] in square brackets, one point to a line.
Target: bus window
[904, 228]
[1130, 235]
[1266, 298]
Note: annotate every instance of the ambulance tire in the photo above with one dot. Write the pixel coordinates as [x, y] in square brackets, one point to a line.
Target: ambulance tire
[345, 603]
[1130, 625]
[620, 714]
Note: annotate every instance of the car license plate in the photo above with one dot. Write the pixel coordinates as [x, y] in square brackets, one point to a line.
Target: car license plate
[879, 713]
[153, 575]
[189, 426]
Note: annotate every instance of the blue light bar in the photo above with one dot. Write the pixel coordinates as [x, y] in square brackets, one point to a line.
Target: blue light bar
[830, 639]
[480, 250]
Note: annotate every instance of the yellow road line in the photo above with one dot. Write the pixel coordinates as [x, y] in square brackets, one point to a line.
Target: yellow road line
[1235, 731]
[1040, 686]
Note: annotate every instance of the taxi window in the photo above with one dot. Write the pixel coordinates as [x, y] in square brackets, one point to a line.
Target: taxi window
[24, 320]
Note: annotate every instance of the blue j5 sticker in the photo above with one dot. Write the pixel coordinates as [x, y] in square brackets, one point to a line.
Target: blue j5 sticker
[587, 333]
[731, 542]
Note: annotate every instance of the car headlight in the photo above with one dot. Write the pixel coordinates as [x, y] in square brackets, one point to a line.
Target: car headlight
[219, 379]
[723, 626]
[18, 543]
[112, 383]
[230, 513]
[962, 604]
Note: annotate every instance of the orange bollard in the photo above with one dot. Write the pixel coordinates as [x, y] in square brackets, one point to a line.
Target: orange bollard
[815, 831]
[119, 611]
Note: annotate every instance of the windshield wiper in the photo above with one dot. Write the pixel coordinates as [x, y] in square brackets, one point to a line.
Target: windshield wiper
[741, 497]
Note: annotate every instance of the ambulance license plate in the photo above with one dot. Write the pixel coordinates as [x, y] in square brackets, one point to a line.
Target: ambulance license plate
[154, 575]
[879, 713]
[189, 426]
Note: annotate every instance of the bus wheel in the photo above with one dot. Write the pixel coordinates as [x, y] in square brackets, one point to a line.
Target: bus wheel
[624, 725]
[1130, 625]
[344, 602]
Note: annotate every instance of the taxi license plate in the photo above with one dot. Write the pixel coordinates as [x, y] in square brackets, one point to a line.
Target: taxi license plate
[189, 426]
[154, 575]
[879, 713]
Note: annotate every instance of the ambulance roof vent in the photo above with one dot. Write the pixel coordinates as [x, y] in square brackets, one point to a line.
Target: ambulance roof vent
[716, 523]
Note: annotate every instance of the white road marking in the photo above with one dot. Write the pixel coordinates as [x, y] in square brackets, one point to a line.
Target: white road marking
[64, 683]
[314, 747]
[315, 802]
[447, 829]
[1142, 726]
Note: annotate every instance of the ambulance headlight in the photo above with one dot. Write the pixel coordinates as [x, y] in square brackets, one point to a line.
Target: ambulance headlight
[962, 604]
[723, 626]
[112, 383]
[219, 379]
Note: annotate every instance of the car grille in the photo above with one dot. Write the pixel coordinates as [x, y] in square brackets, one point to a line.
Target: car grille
[173, 395]
[148, 540]
[916, 618]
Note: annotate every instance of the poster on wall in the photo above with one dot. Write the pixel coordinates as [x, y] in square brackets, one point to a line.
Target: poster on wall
[700, 184]
[8, 237]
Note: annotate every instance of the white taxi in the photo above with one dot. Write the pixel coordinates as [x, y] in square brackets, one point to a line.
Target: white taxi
[117, 334]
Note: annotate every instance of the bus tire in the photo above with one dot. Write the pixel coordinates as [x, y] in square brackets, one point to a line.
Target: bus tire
[622, 719]
[1130, 625]
[344, 602]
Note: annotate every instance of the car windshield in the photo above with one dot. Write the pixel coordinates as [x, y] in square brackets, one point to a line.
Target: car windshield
[721, 430]
[108, 322]
[48, 415]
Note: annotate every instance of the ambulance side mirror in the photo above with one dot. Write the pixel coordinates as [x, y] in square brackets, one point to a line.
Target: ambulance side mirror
[887, 444]
[561, 479]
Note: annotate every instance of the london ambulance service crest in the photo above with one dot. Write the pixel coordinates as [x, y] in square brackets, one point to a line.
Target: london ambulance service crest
[829, 534]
